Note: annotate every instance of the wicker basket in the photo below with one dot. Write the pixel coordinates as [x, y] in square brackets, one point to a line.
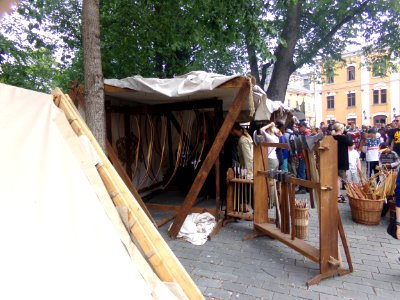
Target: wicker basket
[301, 222]
[366, 211]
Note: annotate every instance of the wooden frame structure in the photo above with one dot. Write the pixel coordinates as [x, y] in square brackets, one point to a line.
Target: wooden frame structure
[212, 158]
[330, 225]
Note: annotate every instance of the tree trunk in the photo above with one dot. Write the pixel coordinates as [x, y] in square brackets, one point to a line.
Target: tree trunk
[253, 61]
[93, 75]
[284, 65]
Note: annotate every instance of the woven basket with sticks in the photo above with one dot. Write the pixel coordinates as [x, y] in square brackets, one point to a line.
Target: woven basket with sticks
[367, 197]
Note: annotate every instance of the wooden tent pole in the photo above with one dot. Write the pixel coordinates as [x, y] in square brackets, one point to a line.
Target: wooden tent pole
[157, 251]
[121, 171]
[209, 161]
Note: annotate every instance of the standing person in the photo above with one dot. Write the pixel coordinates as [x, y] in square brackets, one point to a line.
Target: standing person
[342, 155]
[245, 148]
[394, 136]
[301, 168]
[292, 161]
[354, 165]
[397, 193]
[388, 159]
[371, 150]
[269, 131]
[283, 154]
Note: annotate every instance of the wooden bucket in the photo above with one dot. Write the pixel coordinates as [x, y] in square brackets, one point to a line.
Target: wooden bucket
[366, 211]
[301, 222]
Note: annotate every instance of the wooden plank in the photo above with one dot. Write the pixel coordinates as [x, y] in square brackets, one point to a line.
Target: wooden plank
[297, 181]
[241, 180]
[209, 161]
[166, 207]
[109, 89]
[329, 213]
[260, 187]
[120, 170]
[235, 83]
[277, 145]
[229, 192]
[298, 245]
[284, 201]
[156, 109]
[165, 220]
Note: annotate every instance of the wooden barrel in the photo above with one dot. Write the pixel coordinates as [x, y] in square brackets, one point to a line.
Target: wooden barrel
[301, 222]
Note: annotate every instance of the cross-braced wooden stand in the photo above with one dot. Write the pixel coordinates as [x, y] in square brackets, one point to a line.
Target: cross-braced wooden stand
[239, 196]
[324, 187]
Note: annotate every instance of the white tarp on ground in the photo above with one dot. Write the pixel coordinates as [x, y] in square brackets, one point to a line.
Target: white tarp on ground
[197, 227]
[56, 239]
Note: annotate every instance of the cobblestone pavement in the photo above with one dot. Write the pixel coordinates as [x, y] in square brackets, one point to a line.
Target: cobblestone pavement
[229, 268]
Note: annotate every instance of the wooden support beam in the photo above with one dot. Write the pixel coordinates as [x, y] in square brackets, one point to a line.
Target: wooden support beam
[210, 159]
[329, 212]
[167, 107]
[298, 245]
[167, 207]
[121, 172]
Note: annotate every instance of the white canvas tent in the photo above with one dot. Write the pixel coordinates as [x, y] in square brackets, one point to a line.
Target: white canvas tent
[62, 237]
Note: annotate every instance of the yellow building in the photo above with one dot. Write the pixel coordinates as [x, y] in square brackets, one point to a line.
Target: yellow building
[299, 96]
[352, 93]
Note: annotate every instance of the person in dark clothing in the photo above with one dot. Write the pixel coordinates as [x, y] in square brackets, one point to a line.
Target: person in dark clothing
[344, 142]
[394, 138]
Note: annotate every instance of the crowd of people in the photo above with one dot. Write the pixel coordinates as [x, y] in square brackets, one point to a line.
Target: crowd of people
[378, 146]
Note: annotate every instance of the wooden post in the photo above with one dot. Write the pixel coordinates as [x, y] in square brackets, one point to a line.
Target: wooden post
[329, 213]
[209, 161]
[260, 187]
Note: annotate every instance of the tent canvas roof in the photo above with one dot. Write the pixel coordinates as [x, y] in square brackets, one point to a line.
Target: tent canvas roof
[196, 85]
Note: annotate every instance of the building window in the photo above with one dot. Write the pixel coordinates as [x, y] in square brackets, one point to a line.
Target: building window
[383, 96]
[380, 94]
[376, 97]
[331, 102]
[330, 79]
[351, 99]
[288, 102]
[351, 73]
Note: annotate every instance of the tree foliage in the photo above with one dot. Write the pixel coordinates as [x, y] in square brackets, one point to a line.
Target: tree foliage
[168, 38]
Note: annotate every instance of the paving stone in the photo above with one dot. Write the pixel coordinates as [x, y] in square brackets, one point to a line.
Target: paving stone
[213, 293]
[261, 293]
[343, 293]
[262, 268]
[303, 293]
[358, 287]
[324, 289]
